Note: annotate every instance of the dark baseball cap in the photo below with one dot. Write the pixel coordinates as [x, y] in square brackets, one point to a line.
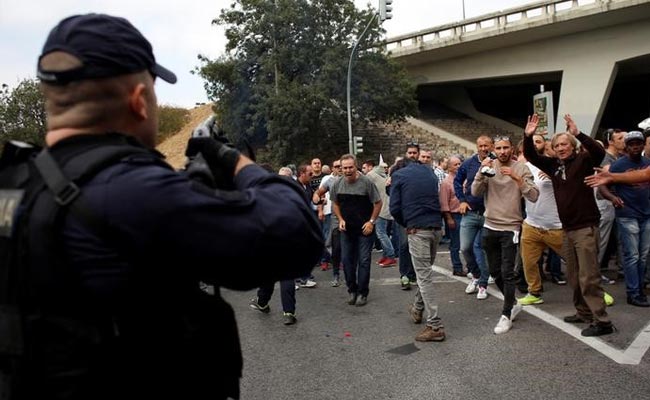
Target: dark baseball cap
[634, 135]
[107, 46]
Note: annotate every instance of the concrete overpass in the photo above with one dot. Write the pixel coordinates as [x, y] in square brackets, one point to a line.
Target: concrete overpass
[583, 45]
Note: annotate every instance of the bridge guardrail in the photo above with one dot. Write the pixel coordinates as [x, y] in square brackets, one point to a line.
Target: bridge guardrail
[498, 21]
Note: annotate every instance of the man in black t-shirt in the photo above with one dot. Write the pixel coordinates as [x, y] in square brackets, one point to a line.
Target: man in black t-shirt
[356, 203]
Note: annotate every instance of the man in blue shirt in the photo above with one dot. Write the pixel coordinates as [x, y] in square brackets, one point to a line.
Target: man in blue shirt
[633, 219]
[472, 209]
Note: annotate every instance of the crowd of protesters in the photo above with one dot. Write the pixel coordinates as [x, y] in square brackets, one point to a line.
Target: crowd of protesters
[518, 213]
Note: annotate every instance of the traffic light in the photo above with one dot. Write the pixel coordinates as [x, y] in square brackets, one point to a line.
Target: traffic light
[385, 8]
[357, 144]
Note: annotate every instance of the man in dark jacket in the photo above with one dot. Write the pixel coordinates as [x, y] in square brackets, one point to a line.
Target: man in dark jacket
[471, 226]
[147, 281]
[579, 215]
[414, 203]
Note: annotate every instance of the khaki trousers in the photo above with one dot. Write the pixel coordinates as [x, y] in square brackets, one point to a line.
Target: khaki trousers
[533, 243]
[580, 251]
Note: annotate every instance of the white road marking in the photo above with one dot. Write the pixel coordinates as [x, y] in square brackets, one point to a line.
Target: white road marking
[632, 355]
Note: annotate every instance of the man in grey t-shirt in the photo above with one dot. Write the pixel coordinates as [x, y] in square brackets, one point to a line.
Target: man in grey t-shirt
[356, 203]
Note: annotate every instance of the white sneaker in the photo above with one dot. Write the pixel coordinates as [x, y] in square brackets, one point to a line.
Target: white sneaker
[516, 309]
[503, 326]
[490, 280]
[470, 275]
[472, 286]
[308, 284]
[482, 293]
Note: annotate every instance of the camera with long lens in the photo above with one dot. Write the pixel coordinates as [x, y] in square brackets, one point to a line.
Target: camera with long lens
[489, 171]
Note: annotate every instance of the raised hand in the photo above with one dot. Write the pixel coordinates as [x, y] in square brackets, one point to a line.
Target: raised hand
[571, 125]
[531, 126]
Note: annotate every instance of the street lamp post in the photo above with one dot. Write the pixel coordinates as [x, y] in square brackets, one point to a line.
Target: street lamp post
[354, 48]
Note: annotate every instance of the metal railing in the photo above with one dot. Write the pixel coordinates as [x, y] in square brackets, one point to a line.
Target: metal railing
[498, 21]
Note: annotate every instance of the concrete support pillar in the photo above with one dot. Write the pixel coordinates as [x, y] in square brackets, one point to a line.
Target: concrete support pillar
[585, 89]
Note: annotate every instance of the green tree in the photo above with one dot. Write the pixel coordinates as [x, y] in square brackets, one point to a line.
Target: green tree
[22, 112]
[282, 83]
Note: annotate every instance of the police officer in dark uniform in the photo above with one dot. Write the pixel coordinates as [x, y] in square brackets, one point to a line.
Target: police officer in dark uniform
[146, 269]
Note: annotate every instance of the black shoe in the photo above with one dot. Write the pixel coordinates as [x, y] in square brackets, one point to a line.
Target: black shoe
[598, 329]
[361, 301]
[259, 307]
[353, 299]
[459, 273]
[558, 279]
[638, 301]
[289, 318]
[576, 319]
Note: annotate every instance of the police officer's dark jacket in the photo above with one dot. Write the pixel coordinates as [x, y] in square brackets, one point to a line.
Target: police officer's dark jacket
[144, 277]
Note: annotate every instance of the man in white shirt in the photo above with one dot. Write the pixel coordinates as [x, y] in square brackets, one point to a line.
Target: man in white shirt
[541, 228]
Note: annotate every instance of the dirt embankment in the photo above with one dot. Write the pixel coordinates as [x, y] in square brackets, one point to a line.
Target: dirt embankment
[174, 146]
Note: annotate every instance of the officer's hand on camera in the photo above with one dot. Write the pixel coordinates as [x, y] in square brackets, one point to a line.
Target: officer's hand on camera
[209, 155]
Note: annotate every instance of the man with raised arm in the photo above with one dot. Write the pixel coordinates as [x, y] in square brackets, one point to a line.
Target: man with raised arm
[579, 216]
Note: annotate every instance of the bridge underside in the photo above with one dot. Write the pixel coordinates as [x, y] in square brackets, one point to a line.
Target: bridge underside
[599, 72]
[509, 99]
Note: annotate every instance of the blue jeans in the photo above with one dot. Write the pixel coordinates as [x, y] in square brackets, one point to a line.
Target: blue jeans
[336, 251]
[470, 245]
[634, 236]
[394, 236]
[454, 243]
[405, 263]
[356, 250]
[554, 264]
[380, 230]
[287, 295]
[326, 228]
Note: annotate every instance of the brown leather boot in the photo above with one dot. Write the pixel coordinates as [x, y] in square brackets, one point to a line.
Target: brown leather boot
[430, 334]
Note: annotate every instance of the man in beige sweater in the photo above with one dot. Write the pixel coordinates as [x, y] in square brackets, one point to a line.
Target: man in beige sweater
[503, 217]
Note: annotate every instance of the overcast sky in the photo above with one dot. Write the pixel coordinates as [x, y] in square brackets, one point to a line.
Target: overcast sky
[181, 29]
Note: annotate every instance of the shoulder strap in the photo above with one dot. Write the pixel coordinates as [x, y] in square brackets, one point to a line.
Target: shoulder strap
[65, 191]
[63, 181]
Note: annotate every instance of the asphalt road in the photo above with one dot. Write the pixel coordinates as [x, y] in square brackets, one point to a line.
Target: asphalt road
[337, 351]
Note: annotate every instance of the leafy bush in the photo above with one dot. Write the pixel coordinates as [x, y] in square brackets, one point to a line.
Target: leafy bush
[171, 120]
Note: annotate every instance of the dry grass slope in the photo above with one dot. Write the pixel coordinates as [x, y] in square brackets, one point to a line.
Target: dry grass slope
[174, 146]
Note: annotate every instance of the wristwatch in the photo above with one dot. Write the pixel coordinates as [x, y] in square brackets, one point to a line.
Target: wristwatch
[372, 221]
